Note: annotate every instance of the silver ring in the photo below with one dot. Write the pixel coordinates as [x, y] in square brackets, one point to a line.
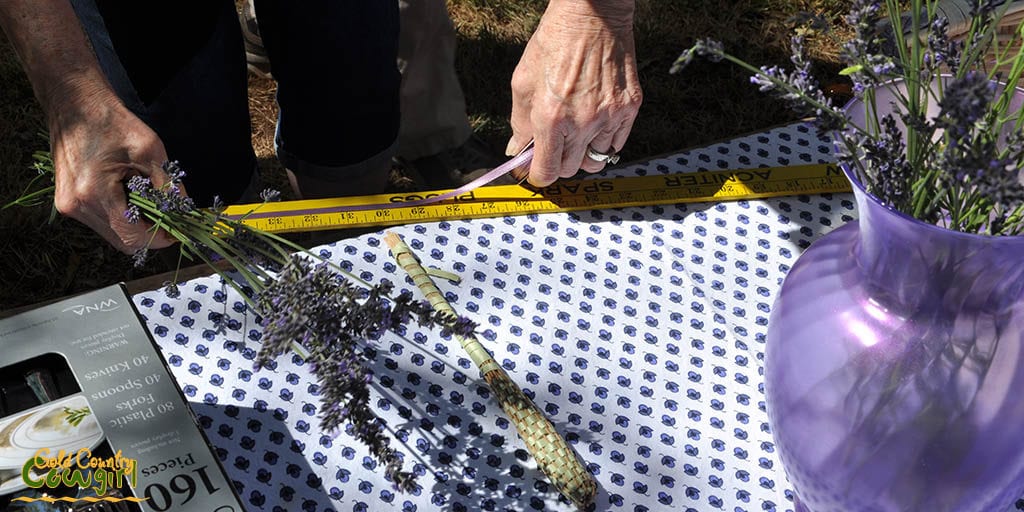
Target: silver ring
[597, 156]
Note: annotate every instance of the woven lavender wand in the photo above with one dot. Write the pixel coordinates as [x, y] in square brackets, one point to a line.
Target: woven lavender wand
[553, 454]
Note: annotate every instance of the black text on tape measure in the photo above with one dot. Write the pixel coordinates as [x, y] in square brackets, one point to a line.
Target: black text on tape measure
[565, 195]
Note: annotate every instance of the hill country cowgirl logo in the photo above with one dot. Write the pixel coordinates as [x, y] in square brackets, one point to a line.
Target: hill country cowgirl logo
[79, 469]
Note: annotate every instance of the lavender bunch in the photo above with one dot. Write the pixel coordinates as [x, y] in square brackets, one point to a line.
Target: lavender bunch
[310, 305]
[949, 150]
[304, 303]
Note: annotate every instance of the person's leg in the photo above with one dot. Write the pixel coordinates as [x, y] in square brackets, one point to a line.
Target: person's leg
[334, 63]
[436, 138]
[433, 106]
[180, 67]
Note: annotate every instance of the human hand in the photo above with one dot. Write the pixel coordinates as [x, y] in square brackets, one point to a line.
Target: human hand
[97, 144]
[576, 86]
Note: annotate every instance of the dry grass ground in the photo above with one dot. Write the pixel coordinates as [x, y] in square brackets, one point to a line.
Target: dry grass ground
[41, 261]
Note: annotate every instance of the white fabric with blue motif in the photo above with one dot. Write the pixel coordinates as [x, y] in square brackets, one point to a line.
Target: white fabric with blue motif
[639, 331]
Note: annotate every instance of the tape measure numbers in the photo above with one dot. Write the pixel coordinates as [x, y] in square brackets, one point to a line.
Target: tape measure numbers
[566, 195]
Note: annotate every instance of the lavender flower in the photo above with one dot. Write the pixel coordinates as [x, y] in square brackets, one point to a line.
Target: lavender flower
[769, 80]
[132, 214]
[139, 257]
[863, 18]
[966, 154]
[869, 63]
[941, 49]
[174, 171]
[883, 157]
[964, 103]
[270, 195]
[1000, 184]
[218, 205]
[311, 306]
[799, 88]
[709, 48]
[168, 198]
[981, 13]
[315, 307]
[139, 184]
[973, 160]
[982, 9]
[171, 290]
[460, 326]
[682, 61]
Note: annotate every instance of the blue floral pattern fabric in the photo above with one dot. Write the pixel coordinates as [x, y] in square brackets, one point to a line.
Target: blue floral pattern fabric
[639, 331]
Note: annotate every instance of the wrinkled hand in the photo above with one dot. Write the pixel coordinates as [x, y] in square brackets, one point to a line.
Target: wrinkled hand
[576, 85]
[97, 144]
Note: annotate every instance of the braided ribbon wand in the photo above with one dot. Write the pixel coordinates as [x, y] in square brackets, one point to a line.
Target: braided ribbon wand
[554, 455]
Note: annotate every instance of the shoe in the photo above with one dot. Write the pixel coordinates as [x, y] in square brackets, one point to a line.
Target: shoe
[458, 166]
[401, 179]
[255, 54]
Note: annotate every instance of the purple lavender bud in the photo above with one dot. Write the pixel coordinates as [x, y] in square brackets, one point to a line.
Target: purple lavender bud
[218, 205]
[682, 61]
[464, 327]
[173, 170]
[710, 48]
[982, 8]
[883, 68]
[132, 214]
[139, 184]
[964, 102]
[765, 82]
[941, 49]
[171, 290]
[863, 14]
[270, 195]
[139, 257]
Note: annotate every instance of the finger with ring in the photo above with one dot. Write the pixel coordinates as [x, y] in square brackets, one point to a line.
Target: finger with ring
[608, 158]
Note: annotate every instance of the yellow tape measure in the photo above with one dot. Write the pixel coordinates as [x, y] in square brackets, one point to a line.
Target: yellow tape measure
[566, 195]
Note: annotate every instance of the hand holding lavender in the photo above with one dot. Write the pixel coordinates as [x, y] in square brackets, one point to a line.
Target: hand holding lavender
[304, 303]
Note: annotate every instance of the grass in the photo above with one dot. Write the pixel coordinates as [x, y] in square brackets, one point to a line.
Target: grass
[40, 261]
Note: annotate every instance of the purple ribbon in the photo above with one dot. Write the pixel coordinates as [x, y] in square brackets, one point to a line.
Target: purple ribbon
[519, 160]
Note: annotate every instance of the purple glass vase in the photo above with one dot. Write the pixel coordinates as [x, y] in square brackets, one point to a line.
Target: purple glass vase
[893, 365]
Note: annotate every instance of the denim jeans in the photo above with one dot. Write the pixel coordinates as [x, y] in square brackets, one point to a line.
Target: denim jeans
[180, 66]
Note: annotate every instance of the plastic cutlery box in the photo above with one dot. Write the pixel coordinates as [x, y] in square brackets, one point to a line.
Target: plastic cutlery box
[92, 420]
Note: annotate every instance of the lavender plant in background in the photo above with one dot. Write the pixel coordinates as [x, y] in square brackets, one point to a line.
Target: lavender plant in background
[950, 150]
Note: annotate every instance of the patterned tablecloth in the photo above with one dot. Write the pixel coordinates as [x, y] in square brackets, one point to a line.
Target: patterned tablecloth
[640, 331]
